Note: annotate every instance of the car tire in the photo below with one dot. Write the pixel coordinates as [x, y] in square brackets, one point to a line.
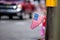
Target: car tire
[30, 15]
[10, 17]
[21, 17]
[0, 16]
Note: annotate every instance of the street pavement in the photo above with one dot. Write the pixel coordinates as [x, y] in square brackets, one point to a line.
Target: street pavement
[18, 30]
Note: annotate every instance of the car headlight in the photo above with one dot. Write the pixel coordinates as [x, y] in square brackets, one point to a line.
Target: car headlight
[19, 9]
[19, 6]
[14, 7]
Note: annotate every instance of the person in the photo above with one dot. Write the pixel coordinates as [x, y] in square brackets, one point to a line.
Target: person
[42, 8]
[28, 8]
[42, 23]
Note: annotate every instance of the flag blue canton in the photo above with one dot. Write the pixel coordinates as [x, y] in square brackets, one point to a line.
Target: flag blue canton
[36, 16]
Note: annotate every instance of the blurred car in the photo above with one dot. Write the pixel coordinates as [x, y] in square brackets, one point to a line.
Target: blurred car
[11, 8]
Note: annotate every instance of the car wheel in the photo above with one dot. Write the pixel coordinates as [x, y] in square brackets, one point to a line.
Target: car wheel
[21, 17]
[0, 17]
[10, 17]
[30, 15]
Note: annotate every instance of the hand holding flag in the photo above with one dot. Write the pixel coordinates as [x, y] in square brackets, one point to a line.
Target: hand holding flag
[36, 20]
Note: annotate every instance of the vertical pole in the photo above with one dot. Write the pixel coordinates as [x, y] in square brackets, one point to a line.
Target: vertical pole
[53, 31]
[57, 22]
[49, 28]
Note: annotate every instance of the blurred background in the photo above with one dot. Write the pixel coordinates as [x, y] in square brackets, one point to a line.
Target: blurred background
[16, 18]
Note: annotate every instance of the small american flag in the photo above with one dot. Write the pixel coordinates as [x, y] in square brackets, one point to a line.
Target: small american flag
[36, 20]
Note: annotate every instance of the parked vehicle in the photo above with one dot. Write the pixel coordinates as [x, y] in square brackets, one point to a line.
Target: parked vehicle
[11, 8]
[15, 8]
